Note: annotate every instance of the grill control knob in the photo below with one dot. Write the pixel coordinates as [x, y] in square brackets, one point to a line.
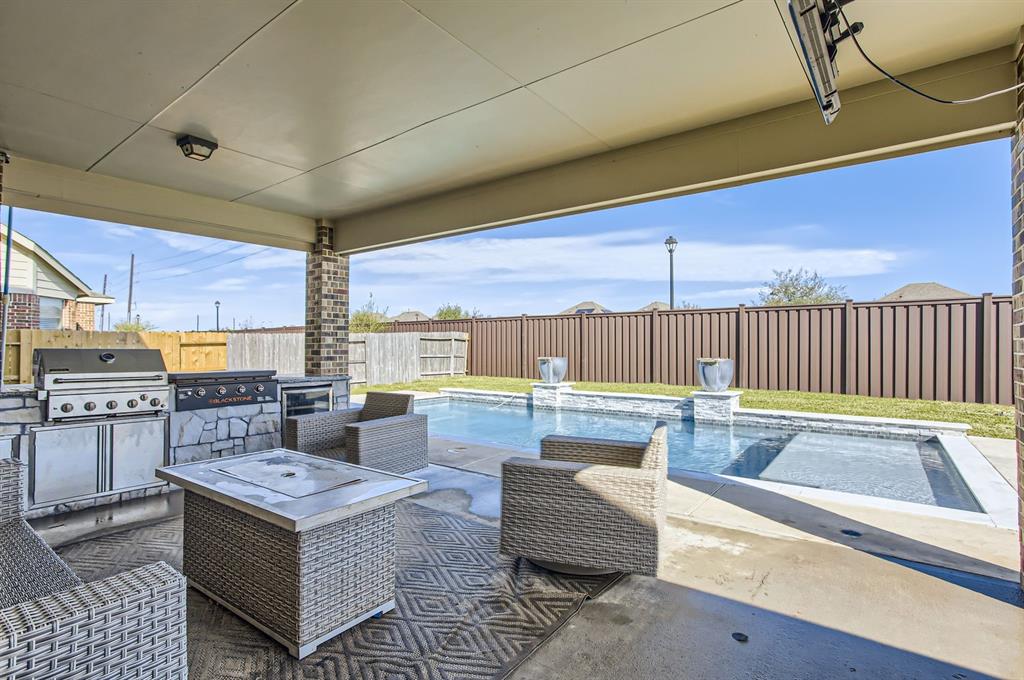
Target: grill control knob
[90, 406]
[143, 397]
[222, 390]
[201, 392]
[111, 404]
[154, 402]
[241, 389]
[132, 403]
[259, 388]
[66, 408]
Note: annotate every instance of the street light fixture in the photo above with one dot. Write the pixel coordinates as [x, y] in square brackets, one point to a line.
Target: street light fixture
[670, 246]
[216, 304]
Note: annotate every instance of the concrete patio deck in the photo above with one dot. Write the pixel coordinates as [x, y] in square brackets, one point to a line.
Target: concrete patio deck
[809, 608]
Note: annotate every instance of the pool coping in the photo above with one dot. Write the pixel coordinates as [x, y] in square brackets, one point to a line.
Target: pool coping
[996, 497]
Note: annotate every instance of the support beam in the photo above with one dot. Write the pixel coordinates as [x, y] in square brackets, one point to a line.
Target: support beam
[1017, 216]
[55, 188]
[878, 121]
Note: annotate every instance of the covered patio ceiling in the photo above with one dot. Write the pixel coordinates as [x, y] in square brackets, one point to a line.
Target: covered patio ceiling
[402, 121]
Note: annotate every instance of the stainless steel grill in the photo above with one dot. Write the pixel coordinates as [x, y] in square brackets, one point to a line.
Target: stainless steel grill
[94, 383]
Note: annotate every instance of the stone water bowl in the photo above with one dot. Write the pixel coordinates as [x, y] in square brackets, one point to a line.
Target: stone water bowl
[552, 369]
[715, 374]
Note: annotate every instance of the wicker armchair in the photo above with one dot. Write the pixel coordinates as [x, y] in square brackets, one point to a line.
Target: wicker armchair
[54, 626]
[588, 505]
[383, 434]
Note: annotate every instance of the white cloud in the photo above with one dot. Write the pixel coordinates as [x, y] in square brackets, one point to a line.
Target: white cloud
[275, 258]
[611, 256]
[117, 230]
[232, 284]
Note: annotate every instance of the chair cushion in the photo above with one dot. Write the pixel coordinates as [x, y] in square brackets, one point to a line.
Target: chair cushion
[29, 569]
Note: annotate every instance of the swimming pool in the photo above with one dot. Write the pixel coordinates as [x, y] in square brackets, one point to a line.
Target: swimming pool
[917, 471]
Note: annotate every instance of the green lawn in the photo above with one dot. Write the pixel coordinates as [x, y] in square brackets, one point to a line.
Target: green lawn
[987, 420]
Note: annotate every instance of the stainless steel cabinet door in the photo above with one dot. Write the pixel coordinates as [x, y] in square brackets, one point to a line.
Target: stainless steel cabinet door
[66, 462]
[138, 448]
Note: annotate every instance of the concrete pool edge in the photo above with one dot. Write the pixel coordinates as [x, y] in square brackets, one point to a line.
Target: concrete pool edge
[681, 408]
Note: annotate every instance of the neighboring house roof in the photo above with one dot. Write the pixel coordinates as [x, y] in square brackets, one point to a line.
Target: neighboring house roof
[586, 307]
[26, 247]
[927, 290]
[411, 315]
[656, 305]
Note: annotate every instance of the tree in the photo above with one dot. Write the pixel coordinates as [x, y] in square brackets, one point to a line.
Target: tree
[799, 287]
[369, 319]
[137, 326]
[450, 311]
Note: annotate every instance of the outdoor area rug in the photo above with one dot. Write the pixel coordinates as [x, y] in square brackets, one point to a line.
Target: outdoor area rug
[462, 610]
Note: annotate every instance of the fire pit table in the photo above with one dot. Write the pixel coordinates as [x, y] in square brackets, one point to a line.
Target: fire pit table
[299, 546]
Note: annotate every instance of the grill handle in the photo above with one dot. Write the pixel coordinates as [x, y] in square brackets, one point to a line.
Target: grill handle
[146, 378]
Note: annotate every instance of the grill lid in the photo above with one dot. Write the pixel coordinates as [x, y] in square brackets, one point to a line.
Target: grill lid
[51, 362]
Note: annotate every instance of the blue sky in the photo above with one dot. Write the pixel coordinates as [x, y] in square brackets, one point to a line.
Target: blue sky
[942, 216]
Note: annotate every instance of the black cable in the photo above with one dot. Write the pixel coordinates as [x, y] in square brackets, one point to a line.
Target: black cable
[911, 88]
[214, 266]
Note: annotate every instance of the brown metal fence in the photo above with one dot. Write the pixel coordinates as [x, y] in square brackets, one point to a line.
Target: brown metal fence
[947, 350]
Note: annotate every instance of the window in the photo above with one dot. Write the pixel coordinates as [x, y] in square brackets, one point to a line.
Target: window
[50, 313]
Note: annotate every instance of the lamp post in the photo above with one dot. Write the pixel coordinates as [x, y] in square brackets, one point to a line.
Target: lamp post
[216, 304]
[670, 246]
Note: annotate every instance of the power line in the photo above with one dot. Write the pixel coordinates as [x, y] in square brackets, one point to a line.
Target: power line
[198, 259]
[214, 266]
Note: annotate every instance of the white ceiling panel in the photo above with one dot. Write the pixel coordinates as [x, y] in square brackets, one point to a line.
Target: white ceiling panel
[506, 135]
[56, 131]
[728, 64]
[530, 40]
[152, 156]
[123, 57]
[329, 78]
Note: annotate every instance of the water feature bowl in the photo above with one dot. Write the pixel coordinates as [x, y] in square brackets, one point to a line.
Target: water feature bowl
[715, 374]
[552, 369]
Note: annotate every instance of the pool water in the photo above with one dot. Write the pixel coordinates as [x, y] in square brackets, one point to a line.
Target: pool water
[906, 470]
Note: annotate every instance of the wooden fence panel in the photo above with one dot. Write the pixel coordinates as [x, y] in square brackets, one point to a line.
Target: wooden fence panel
[953, 350]
[185, 351]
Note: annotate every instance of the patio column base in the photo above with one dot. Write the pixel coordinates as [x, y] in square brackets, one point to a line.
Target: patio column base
[715, 407]
[549, 395]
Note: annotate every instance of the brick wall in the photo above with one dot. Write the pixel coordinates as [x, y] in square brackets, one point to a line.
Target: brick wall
[1017, 217]
[78, 316]
[326, 341]
[24, 312]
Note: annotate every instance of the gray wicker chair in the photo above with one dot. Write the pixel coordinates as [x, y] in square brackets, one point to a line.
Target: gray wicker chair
[53, 626]
[588, 505]
[383, 434]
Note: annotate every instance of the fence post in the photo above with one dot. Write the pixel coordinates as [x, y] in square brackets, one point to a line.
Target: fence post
[451, 355]
[655, 346]
[524, 372]
[471, 347]
[580, 321]
[988, 386]
[849, 351]
[741, 345]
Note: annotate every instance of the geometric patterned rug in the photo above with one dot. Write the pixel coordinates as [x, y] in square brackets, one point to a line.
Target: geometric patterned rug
[462, 611]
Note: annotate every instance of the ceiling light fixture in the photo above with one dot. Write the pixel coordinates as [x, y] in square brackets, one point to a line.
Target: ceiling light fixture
[196, 148]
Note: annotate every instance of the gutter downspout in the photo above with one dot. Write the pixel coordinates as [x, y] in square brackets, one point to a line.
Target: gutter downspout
[6, 293]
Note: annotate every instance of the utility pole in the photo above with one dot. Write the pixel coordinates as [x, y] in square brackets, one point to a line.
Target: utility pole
[197, 323]
[103, 308]
[131, 285]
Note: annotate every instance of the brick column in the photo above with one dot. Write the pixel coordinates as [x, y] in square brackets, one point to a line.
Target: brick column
[1017, 216]
[326, 306]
